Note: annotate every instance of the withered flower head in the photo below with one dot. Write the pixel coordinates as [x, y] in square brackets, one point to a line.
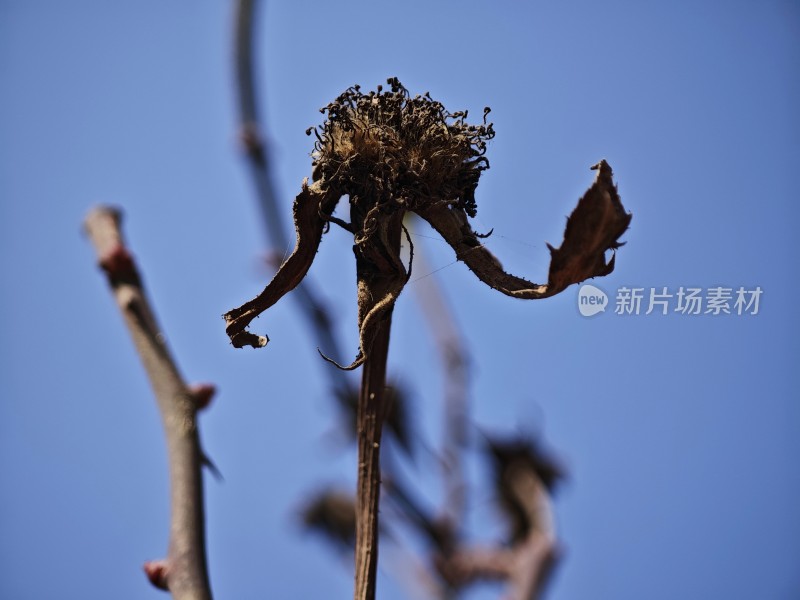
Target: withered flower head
[390, 154]
[388, 149]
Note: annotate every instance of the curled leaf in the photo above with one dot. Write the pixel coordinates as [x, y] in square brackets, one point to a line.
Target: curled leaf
[333, 514]
[593, 228]
[311, 209]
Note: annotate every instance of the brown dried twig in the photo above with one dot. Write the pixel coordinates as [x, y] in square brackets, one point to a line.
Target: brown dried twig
[184, 572]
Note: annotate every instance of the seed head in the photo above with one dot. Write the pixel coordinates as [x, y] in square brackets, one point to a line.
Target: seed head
[395, 149]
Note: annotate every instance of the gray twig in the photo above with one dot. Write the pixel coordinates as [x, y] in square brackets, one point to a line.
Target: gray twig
[184, 572]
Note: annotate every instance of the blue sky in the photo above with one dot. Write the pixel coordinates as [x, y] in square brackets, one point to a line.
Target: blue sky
[680, 432]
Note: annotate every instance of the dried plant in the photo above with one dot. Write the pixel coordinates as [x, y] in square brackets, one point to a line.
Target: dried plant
[391, 154]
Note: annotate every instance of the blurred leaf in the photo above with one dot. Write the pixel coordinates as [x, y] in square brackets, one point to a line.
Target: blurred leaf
[515, 460]
[332, 513]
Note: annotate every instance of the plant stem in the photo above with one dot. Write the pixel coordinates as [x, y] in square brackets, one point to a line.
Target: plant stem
[375, 281]
[370, 424]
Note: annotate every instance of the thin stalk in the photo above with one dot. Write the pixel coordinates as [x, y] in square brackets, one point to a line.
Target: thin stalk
[456, 366]
[375, 280]
[371, 412]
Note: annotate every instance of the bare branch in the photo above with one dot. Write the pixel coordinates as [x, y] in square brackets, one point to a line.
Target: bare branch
[184, 572]
[455, 363]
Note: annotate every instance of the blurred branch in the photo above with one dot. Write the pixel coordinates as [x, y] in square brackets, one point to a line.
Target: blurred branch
[526, 566]
[255, 147]
[184, 572]
[525, 477]
[455, 362]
